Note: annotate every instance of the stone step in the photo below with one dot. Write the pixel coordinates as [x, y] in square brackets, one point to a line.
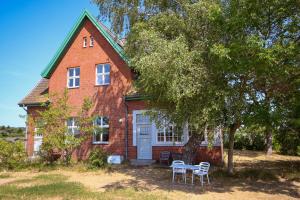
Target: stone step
[142, 162]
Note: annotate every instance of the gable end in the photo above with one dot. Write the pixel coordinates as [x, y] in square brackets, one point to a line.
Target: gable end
[46, 73]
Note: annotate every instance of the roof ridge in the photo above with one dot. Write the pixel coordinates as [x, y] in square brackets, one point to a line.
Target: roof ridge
[112, 34]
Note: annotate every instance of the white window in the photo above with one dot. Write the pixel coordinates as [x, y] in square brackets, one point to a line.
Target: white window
[91, 41]
[84, 41]
[73, 77]
[72, 125]
[37, 140]
[103, 74]
[101, 130]
[169, 134]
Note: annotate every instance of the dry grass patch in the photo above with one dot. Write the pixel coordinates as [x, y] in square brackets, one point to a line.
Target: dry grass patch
[257, 177]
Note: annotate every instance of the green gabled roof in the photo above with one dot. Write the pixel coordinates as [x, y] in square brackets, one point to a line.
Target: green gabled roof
[51, 66]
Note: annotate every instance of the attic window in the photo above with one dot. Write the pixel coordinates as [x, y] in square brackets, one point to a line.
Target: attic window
[91, 41]
[84, 42]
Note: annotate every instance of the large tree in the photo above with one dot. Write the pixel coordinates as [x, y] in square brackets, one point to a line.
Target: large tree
[209, 62]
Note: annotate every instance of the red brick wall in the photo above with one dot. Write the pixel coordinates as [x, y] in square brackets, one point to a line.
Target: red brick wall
[108, 100]
[32, 112]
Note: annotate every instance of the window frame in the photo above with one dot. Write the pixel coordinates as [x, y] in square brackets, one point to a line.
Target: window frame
[101, 126]
[73, 126]
[164, 129]
[85, 42]
[102, 74]
[92, 41]
[74, 77]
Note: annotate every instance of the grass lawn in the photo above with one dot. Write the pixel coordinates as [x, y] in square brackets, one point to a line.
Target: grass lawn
[256, 177]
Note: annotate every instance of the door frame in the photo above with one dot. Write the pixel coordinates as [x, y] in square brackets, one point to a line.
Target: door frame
[135, 136]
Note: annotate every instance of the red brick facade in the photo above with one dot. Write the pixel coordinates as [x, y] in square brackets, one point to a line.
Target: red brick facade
[108, 100]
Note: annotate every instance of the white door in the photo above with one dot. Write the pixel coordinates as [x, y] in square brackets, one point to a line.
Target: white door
[143, 133]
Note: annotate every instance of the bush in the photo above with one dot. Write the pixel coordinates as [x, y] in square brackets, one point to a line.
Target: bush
[289, 142]
[47, 154]
[97, 158]
[251, 138]
[12, 155]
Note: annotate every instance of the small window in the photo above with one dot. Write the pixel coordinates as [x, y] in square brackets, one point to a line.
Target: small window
[73, 77]
[84, 42]
[101, 130]
[72, 125]
[103, 74]
[91, 41]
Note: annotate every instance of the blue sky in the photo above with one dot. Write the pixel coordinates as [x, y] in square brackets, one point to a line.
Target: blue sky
[31, 32]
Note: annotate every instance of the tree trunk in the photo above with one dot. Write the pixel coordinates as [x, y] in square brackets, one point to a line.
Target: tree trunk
[269, 140]
[191, 148]
[232, 131]
[222, 145]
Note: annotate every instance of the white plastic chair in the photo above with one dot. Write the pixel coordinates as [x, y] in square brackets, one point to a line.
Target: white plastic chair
[177, 170]
[201, 172]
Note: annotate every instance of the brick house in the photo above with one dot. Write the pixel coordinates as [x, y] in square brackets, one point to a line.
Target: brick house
[91, 63]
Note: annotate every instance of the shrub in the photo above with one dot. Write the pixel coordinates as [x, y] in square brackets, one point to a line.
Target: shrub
[97, 158]
[248, 138]
[289, 142]
[12, 155]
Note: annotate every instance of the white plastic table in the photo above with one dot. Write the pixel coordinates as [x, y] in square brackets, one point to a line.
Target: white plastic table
[185, 166]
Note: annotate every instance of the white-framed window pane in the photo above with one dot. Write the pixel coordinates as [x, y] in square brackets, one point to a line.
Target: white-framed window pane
[142, 119]
[160, 135]
[105, 121]
[99, 80]
[106, 68]
[106, 79]
[84, 41]
[105, 135]
[98, 121]
[73, 77]
[71, 72]
[91, 41]
[169, 134]
[101, 130]
[97, 137]
[99, 69]
[71, 82]
[72, 126]
[70, 122]
[77, 81]
[103, 74]
[77, 71]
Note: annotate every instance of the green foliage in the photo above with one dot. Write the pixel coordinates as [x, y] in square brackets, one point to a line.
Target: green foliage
[232, 62]
[57, 140]
[12, 155]
[250, 139]
[7, 131]
[97, 158]
[289, 142]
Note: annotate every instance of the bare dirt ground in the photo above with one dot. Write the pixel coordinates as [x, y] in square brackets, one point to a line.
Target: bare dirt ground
[257, 177]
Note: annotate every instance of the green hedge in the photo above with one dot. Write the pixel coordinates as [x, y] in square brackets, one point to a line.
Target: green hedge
[12, 155]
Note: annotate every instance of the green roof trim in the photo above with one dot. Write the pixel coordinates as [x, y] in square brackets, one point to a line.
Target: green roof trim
[46, 73]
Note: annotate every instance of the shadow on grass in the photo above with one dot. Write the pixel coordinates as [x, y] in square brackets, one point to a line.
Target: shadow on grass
[57, 186]
[270, 177]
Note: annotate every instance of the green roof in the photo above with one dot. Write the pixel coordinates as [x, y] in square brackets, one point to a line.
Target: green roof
[51, 66]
